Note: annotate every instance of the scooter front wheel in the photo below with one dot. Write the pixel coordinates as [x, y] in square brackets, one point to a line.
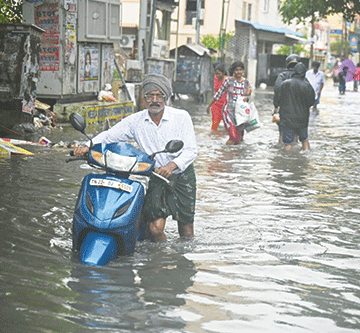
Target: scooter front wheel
[98, 249]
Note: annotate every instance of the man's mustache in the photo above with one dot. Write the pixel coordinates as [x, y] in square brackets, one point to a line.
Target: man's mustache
[155, 104]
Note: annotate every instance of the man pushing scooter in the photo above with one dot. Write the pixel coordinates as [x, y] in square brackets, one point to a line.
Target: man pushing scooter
[152, 128]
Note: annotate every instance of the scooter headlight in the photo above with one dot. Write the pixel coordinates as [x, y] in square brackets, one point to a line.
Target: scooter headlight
[141, 167]
[98, 157]
[118, 162]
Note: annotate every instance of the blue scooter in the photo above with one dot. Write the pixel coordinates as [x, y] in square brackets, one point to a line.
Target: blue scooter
[107, 214]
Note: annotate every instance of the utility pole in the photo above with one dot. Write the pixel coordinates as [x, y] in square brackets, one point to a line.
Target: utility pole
[142, 33]
[346, 49]
[342, 52]
[198, 15]
[152, 22]
[177, 36]
[312, 40]
[223, 25]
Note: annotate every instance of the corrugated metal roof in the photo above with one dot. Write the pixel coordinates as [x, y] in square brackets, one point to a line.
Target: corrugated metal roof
[199, 49]
[280, 30]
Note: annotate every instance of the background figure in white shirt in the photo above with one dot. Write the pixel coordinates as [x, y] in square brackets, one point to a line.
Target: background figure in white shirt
[316, 78]
[152, 128]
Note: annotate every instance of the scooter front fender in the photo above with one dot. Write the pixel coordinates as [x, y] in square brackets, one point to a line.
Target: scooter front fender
[98, 249]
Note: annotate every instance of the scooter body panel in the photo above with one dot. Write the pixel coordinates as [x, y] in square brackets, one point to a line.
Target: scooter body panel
[99, 205]
[98, 249]
[101, 217]
[107, 217]
[107, 220]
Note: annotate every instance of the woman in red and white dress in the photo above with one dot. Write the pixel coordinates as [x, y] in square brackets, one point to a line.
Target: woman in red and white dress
[235, 86]
[217, 107]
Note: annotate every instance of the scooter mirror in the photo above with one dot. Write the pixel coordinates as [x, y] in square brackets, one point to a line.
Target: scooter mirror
[173, 146]
[78, 122]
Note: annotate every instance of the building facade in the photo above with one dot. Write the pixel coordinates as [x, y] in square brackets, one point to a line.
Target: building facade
[255, 24]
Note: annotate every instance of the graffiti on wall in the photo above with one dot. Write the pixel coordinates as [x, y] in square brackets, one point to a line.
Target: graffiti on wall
[99, 113]
[27, 89]
[70, 64]
[70, 31]
[19, 64]
[107, 64]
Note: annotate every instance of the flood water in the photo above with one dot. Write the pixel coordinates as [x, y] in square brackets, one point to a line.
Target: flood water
[277, 246]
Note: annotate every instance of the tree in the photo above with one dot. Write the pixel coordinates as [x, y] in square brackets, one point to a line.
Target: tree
[302, 10]
[285, 49]
[339, 46]
[10, 11]
[213, 42]
[210, 41]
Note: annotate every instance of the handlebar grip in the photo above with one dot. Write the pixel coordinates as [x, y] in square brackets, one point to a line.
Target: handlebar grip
[71, 153]
[161, 177]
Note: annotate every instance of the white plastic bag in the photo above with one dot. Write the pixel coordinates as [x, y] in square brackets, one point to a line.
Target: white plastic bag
[242, 112]
[247, 114]
[254, 121]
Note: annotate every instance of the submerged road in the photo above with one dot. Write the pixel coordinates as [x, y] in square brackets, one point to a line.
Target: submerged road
[277, 246]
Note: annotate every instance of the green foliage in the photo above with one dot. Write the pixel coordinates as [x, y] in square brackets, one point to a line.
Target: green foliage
[213, 42]
[284, 50]
[210, 41]
[10, 11]
[303, 9]
[116, 75]
[340, 46]
[297, 49]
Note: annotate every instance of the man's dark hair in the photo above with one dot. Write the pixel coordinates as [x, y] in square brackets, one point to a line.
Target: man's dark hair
[315, 64]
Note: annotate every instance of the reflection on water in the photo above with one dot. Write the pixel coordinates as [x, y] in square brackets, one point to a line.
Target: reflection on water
[125, 295]
[277, 245]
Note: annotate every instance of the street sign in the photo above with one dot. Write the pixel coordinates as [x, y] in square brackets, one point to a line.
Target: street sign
[335, 32]
[354, 43]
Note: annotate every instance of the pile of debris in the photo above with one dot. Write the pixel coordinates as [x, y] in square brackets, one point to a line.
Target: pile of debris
[10, 147]
[43, 116]
[43, 121]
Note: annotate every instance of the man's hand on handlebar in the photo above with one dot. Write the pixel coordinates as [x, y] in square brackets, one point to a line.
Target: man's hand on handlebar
[81, 151]
[167, 170]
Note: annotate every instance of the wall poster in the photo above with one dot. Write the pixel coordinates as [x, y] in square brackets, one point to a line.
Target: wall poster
[47, 18]
[89, 63]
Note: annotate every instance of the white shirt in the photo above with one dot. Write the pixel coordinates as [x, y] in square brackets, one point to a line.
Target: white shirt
[175, 124]
[316, 80]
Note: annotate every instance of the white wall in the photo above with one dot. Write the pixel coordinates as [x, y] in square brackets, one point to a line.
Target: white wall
[130, 13]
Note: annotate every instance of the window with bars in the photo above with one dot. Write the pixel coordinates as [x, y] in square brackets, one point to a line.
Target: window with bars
[246, 11]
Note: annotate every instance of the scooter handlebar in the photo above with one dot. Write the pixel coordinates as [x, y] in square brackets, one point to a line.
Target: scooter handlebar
[76, 158]
[161, 177]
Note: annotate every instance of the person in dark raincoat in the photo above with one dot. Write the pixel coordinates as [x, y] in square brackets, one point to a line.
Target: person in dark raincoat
[295, 97]
[290, 62]
[342, 80]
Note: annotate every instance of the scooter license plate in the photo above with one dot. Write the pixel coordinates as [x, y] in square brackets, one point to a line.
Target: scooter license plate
[111, 183]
